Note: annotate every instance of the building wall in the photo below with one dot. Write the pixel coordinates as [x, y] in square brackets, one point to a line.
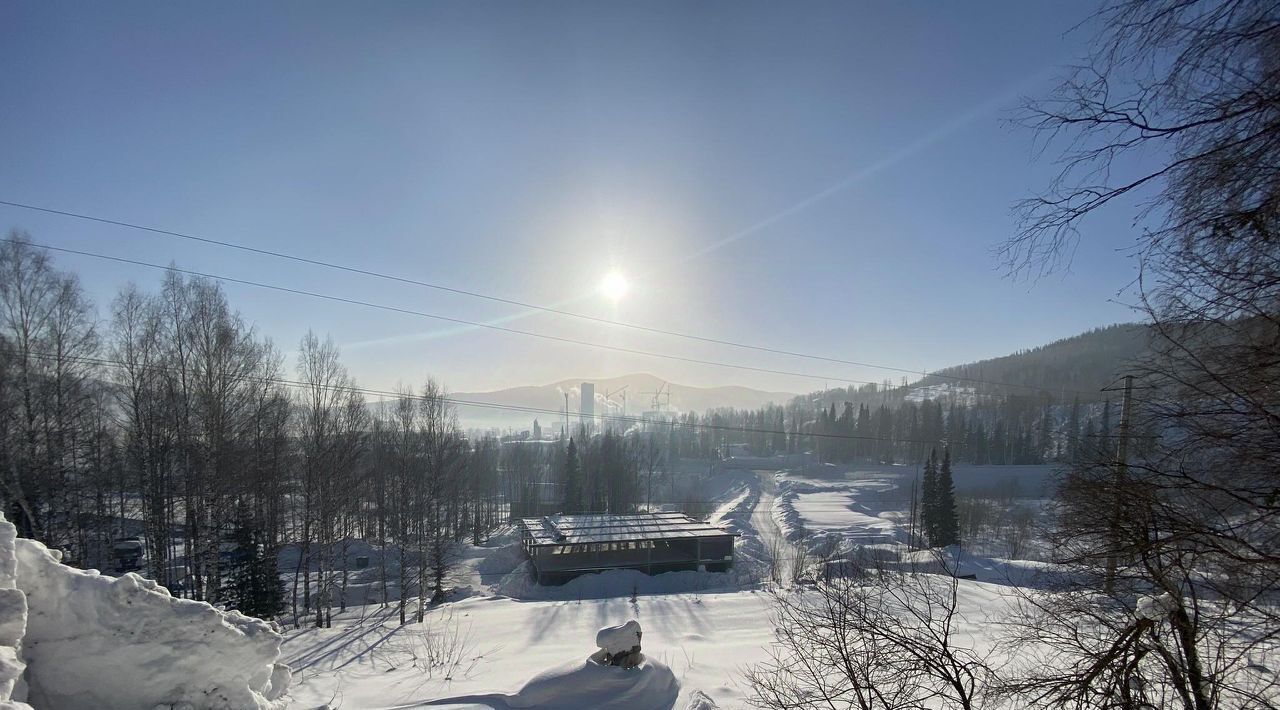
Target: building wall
[558, 564]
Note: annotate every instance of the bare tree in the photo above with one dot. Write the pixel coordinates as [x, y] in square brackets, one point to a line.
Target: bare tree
[1191, 517]
[50, 339]
[1191, 81]
[882, 641]
[145, 417]
[331, 426]
[443, 448]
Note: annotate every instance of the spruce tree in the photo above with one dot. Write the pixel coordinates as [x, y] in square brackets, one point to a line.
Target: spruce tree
[945, 506]
[929, 499]
[572, 480]
[1073, 432]
[1044, 448]
[253, 585]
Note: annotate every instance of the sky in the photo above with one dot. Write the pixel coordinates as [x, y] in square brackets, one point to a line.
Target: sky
[827, 178]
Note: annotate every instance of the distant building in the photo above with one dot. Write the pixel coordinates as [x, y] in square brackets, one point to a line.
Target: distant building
[565, 546]
[587, 406]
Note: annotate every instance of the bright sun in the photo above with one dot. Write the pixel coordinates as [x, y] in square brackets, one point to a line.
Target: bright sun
[614, 286]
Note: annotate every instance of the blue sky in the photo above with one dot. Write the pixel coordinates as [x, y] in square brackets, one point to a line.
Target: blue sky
[822, 177]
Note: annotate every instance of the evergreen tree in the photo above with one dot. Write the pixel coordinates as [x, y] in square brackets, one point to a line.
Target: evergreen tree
[948, 526]
[1045, 444]
[253, 585]
[884, 430]
[1073, 432]
[1089, 438]
[929, 499]
[572, 476]
[1105, 445]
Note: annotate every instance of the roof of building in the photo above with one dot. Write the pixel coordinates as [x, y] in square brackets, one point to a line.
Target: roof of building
[608, 527]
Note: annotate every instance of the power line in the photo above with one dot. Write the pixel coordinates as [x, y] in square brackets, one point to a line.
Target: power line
[435, 316]
[523, 304]
[604, 418]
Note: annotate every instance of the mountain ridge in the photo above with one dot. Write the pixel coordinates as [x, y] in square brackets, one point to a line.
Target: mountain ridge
[1084, 362]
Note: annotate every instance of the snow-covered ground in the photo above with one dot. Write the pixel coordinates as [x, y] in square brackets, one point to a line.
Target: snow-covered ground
[706, 640]
[372, 663]
[861, 506]
[481, 650]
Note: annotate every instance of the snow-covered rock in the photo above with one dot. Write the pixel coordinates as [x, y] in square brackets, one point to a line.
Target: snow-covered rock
[620, 638]
[699, 700]
[97, 642]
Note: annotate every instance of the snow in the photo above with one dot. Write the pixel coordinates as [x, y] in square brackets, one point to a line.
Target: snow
[583, 684]
[96, 642]
[620, 638]
[699, 701]
[366, 660]
[13, 621]
[833, 510]
[1155, 608]
[703, 628]
[944, 391]
[864, 507]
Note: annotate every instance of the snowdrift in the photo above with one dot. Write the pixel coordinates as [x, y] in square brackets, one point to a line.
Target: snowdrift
[583, 684]
[13, 619]
[96, 642]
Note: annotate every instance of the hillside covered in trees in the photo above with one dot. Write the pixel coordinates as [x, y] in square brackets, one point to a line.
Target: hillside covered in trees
[1042, 405]
[1087, 362]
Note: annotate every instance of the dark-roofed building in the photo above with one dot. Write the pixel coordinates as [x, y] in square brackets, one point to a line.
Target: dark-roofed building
[565, 546]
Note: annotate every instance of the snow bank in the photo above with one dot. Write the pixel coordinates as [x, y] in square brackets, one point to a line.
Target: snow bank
[583, 684]
[784, 512]
[502, 560]
[95, 642]
[740, 491]
[13, 619]
[991, 570]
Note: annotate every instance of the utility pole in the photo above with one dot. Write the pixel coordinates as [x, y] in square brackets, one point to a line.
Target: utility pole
[1119, 481]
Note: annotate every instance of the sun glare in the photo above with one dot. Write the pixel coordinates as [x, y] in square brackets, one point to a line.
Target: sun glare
[614, 286]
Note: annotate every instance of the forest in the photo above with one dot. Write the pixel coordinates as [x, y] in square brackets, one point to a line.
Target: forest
[173, 424]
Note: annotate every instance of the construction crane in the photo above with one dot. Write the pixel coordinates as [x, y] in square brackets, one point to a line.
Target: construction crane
[664, 390]
[608, 397]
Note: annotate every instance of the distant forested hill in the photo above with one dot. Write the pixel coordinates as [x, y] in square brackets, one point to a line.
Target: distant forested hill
[1084, 362]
